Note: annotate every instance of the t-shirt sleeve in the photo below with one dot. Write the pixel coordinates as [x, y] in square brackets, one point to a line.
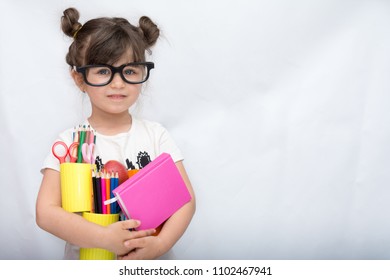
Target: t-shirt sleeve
[168, 145]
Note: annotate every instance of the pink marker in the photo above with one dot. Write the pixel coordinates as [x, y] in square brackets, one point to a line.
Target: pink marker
[103, 186]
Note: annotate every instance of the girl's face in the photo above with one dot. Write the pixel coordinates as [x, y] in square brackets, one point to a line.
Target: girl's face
[116, 97]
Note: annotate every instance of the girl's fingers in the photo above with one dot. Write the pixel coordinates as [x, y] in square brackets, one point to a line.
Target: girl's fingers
[133, 224]
[135, 243]
[142, 233]
[130, 224]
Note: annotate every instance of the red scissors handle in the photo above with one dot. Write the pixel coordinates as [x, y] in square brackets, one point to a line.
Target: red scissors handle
[73, 151]
[60, 156]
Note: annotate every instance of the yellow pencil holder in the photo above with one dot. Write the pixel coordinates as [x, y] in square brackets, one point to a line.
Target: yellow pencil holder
[98, 253]
[76, 186]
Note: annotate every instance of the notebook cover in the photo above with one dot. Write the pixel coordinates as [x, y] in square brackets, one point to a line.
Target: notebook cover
[154, 193]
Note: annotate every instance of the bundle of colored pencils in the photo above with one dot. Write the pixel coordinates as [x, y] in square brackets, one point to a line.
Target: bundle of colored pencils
[103, 183]
[85, 137]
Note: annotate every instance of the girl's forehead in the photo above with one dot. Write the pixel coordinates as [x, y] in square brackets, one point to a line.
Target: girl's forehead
[113, 51]
[127, 57]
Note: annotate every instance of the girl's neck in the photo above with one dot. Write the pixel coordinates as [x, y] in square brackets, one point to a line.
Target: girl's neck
[111, 124]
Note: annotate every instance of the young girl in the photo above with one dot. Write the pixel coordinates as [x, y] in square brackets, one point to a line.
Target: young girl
[107, 60]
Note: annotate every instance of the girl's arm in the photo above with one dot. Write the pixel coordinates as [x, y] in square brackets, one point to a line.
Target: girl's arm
[73, 228]
[154, 246]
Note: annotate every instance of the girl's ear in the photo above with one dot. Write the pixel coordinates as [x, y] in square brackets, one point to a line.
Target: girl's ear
[78, 79]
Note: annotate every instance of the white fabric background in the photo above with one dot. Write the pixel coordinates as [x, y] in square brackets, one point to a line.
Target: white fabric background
[281, 109]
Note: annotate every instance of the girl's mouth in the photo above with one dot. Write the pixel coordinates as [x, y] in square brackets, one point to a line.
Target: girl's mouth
[116, 96]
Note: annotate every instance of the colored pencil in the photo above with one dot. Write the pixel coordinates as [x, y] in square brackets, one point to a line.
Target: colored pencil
[103, 188]
[108, 191]
[98, 194]
[95, 193]
[81, 142]
[75, 140]
[91, 139]
[117, 207]
[112, 187]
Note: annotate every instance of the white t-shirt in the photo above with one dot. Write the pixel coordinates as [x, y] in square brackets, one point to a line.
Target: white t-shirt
[141, 144]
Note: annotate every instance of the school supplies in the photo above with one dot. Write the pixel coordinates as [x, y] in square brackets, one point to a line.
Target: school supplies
[102, 185]
[154, 193]
[87, 152]
[76, 186]
[108, 191]
[98, 194]
[113, 184]
[80, 151]
[67, 151]
[103, 192]
[82, 140]
[117, 167]
[84, 186]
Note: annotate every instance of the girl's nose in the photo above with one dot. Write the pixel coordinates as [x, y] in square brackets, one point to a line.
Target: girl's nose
[117, 81]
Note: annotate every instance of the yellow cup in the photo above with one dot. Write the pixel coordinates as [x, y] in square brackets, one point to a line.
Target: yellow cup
[76, 186]
[98, 253]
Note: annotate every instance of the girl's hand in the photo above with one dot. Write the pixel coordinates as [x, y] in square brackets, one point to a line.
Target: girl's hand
[116, 234]
[147, 248]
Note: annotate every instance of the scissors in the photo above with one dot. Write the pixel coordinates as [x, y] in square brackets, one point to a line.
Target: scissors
[87, 151]
[71, 151]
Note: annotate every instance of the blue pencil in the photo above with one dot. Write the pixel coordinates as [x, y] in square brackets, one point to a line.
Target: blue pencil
[112, 187]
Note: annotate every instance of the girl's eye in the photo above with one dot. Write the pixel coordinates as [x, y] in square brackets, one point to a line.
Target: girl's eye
[129, 72]
[103, 71]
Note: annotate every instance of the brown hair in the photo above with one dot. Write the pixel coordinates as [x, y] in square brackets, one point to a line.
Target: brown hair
[105, 40]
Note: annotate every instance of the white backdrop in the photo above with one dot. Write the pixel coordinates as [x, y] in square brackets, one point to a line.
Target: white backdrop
[280, 107]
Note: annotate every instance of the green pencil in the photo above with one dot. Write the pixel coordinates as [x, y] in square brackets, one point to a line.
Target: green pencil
[81, 142]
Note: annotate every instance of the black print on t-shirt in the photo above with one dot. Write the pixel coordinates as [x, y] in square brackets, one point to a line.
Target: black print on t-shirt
[129, 164]
[143, 159]
[99, 163]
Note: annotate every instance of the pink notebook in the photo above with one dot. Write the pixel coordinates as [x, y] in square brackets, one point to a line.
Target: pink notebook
[154, 193]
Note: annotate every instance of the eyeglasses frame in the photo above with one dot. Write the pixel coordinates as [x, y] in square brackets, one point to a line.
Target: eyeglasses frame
[114, 70]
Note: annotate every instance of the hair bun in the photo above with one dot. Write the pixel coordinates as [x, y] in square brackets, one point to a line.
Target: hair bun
[70, 24]
[149, 30]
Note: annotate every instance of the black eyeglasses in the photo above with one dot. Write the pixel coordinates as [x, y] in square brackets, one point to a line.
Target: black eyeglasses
[102, 74]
